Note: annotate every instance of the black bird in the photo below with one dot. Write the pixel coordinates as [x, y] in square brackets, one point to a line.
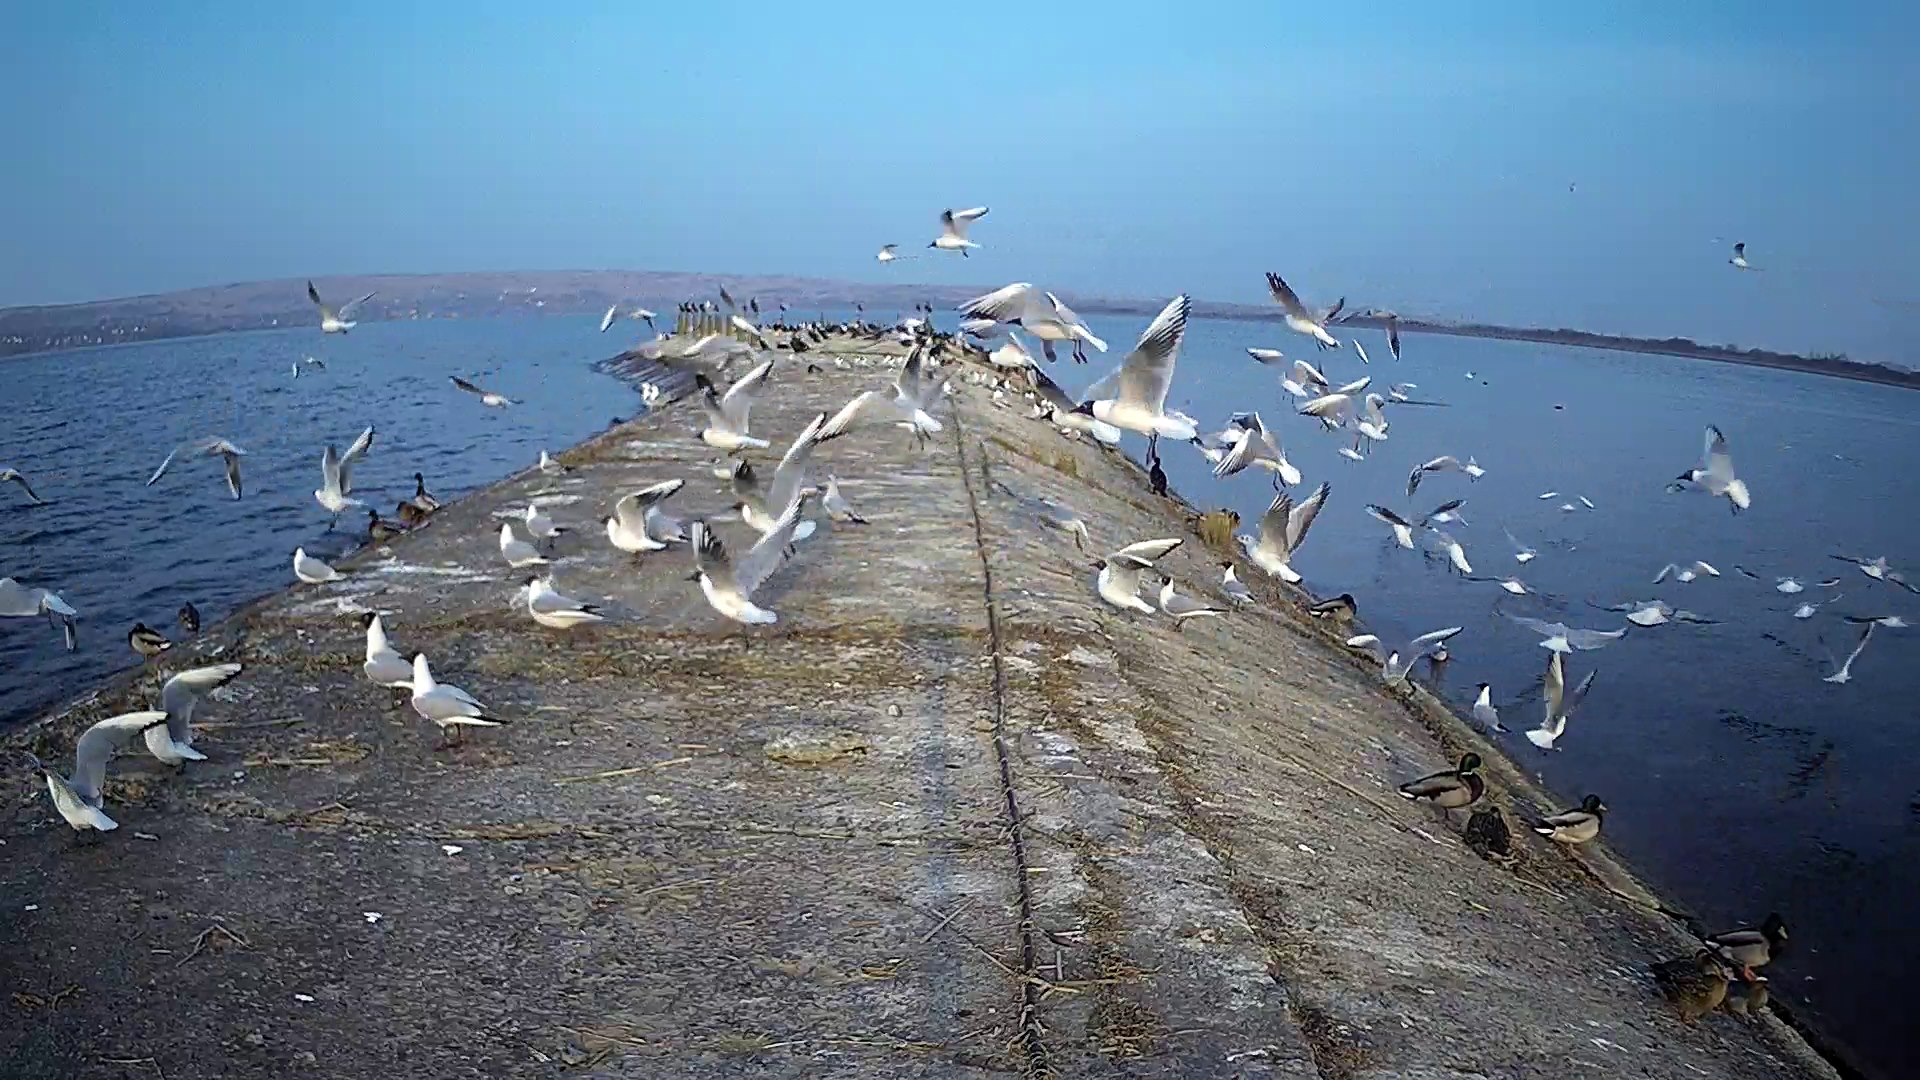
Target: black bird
[189, 618]
[1156, 476]
[1340, 609]
[1487, 833]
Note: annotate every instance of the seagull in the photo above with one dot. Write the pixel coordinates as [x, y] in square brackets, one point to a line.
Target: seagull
[1255, 445]
[1576, 826]
[1039, 313]
[1562, 638]
[643, 313]
[1559, 703]
[953, 229]
[789, 480]
[1807, 608]
[331, 321]
[336, 476]
[487, 397]
[539, 525]
[1119, 580]
[607, 319]
[1788, 586]
[18, 601]
[384, 666]
[551, 467]
[1714, 474]
[1878, 569]
[1484, 713]
[913, 394]
[1235, 589]
[1182, 608]
[212, 446]
[1144, 378]
[836, 505]
[1657, 613]
[887, 253]
[308, 363]
[1402, 528]
[628, 529]
[517, 551]
[172, 742]
[1686, 573]
[1068, 414]
[1266, 356]
[1304, 381]
[1456, 554]
[729, 585]
[1891, 622]
[1443, 463]
[446, 705]
[1522, 554]
[1845, 672]
[1512, 585]
[1393, 331]
[1739, 260]
[1053, 515]
[551, 609]
[1282, 530]
[1447, 513]
[14, 476]
[1299, 319]
[1397, 664]
[727, 416]
[311, 570]
[77, 798]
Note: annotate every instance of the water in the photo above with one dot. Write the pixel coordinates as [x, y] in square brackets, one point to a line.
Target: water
[1740, 783]
[89, 427]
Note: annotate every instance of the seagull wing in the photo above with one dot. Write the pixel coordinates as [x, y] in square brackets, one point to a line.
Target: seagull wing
[1051, 392]
[1333, 312]
[181, 692]
[1146, 551]
[770, 552]
[1283, 294]
[1300, 519]
[1428, 643]
[326, 312]
[347, 309]
[850, 414]
[1370, 643]
[791, 474]
[1554, 683]
[739, 398]
[1387, 517]
[171, 454]
[354, 453]
[99, 742]
[1579, 692]
[1717, 462]
[1009, 304]
[330, 470]
[1147, 372]
[465, 385]
[1335, 408]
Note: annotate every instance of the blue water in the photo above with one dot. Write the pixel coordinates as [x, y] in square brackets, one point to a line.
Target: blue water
[1739, 782]
[89, 427]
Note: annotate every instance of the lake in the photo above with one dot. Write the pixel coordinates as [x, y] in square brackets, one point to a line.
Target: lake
[1739, 782]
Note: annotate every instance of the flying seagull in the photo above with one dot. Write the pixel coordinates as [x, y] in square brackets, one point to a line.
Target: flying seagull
[1714, 474]
[172, 742]
[729, 584]
[1879, 570]
[1118, 582]
[888, 253]
[628, 529]
[487, 397]
[1559, 703]
[78, 797]
[1561, 638]
[212, 446]
[16, 600]
[1143, 380]
[953, 229]
[335, 322]
[1254, 444]
[1283, 528]
[1396, 664]
[728, 414]
[1039, 313]
[1445, 462]
[1739, 260]
[907, 404]
[1402, 528]
[336, 475]
[14, 476]
[1298, 318]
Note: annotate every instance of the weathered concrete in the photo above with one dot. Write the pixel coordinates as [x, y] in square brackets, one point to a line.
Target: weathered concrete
[950, 818]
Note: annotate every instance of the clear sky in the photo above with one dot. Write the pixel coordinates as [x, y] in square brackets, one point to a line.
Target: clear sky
[1410, 154]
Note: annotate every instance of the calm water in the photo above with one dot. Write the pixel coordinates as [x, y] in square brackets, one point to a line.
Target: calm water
[89, 427]
[1739, 781]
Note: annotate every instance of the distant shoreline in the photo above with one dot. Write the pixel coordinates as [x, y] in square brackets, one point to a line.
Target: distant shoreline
[266, 305]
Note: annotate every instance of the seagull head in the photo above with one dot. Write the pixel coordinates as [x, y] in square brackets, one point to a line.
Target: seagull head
[696, 575]
[1085, 408]
[367, 618]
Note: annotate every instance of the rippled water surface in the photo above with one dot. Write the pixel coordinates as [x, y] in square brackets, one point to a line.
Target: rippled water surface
[1739, 781]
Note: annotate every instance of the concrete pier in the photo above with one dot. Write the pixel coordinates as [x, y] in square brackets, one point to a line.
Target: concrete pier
[951, 817]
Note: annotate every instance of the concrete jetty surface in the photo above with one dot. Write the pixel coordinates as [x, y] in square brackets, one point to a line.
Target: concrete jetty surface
[951, 817]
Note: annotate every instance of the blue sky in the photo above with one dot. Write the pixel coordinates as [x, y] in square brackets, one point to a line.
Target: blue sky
[1411, 154]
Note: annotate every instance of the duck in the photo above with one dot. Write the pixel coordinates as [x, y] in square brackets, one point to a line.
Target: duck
[1340, 609]
[189, 618]
[423, 498]
[147, 641]
[1451, 789]
[1695, 984]
[411, 515]
[1749, 946]
[1488, 835]
[380, 530]
[1576, 826]
[1746, 998]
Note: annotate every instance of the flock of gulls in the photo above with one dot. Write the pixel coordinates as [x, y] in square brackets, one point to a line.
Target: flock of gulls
[990, 348]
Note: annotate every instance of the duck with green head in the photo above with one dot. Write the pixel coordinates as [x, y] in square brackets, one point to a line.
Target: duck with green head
[1576, 826]
[1751, 946]
[1451, 789]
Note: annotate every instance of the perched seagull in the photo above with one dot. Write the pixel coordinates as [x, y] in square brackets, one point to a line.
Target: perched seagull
[311, 570]
[384, 666]
[1561, 638]
[1402, 528]
[335, 322]
[1119, 580]
[888, 253]
[728, 415]
[1235, 589]
[1522, 554]
[487, 397]
[1397, 664]
[551, 609]
[1255, 445]
[172, 742]
[836, 504]
[1144, 378]
[77, 798]
[539, 525]
[517, 551]
[1559, 703]
[1714, 474]
[1576, 826]
[1039, 313]
[907, 405]
[607, 319]
[1739, 260]
[1484, 713]
[212, 446]
[14, 476]
[1305, 381]
[1282, 530]
[1182, 608]
[552, 467]
[1686, 573]
[729, 585]
[446, 705]
[336, 476]
[1299, 319]
[1879, 570]
[1266, 356]
[1445, 462]
[18, 601]
[627, 529]
[953, 229]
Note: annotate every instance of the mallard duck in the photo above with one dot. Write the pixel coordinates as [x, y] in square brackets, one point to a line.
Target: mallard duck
[411, 515]
[147, 641]
[1752, 947]
[380, 530]
[1451, 789]
[1340, 609]
[1695, 984]
[189, 618]
[1487, 834]
[421, 497]
[1576, 826]
[1746, 998]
